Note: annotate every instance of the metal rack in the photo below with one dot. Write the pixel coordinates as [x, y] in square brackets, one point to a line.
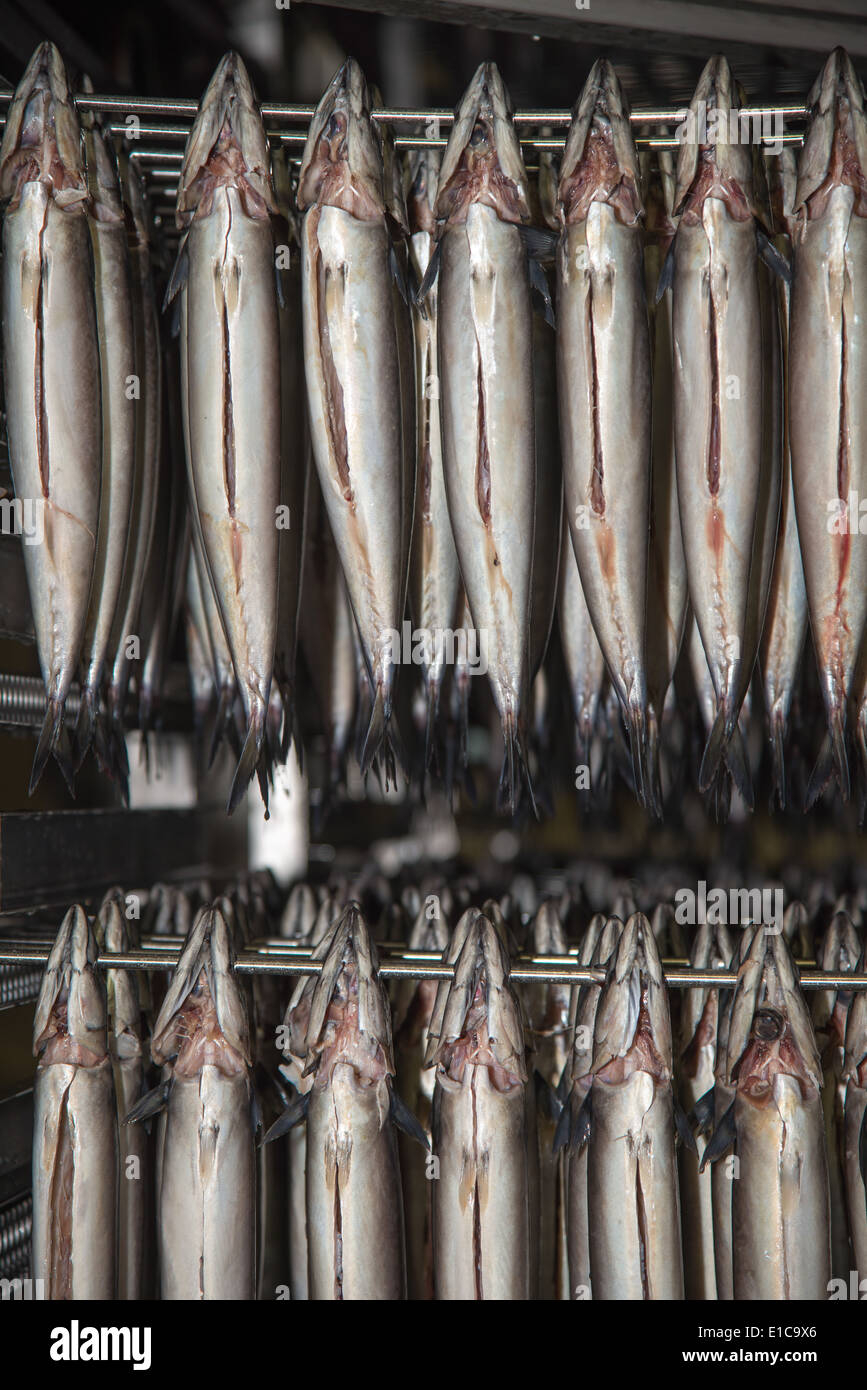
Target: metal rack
[273, 956]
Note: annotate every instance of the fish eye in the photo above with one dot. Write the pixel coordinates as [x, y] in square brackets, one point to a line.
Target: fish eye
[768, 1024]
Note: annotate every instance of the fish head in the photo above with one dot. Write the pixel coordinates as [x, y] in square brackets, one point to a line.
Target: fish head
[299, 913]
[840, 952]
[138, 219]
[70, 1021]
[42, 136]
[203, 1018]
[834, 152]
[227, 147]
[392, 173]
[633, 1025]
[600, 162]
[769, 1030]
[782, 175]
[284, 190]
[855, 1052]
[547, 183]
[342, 165]
[424, 168]
[713, 161]
[480, 1023]
[114, 936]
[483, 162]
[342, 1016]
[103, 180]
[659, 185]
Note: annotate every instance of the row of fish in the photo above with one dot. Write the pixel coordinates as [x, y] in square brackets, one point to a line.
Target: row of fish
[470, 1136]
[624, 394]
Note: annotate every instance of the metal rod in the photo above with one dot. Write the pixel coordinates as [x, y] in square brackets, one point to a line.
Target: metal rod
[254, 962]
[280, 111]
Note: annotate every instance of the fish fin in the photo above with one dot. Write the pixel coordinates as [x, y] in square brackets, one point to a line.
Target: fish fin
[722, 1139]
[248, 759]
[180, 272]
[430, 275]
[778, 762]
[547, 1100]
[48, 737]
[666, 275]
[539, 283]
[515, 773]
[773, 257]
[85, 726]
[737, 764]
[397, 274]
[540, 243]
[401, 1116]
[150, 1104]
[636, 723]
[832, 759]
[563, 1132]
[713, 753]
[701, 1115]
[382, 740]
[682, 1128]
[583, 1127]
[64, 758]
[294, 1114]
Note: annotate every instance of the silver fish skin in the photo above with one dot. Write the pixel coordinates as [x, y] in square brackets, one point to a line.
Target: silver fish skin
[415, 1084]
[840, 953]
[548, 1009]
[635, 1237]
[75, 1123]
[206, 1191]
[341, 1025]
[351, 360]
[597, 944]
[549, 487]
[785, 627]
[604, 389]
[582, 654]
[855, 1113]
[826, 343]
[232, 343]
[148, 446]
[781, 1240]
[127, 1050]
[712, 949]
[482, 1123]
[485, 336]
[434, 573]
[295, 446]
[719, 398]
[116, 337]
[667, 586]
[51, 372]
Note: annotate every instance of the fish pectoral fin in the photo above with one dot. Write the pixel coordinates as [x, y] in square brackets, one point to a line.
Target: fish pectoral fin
[666, 275]
[429, 276]
[701, 1116]
[178, 277]
[293, 1115]
[547, 1101]
[397, 274]
[722, 1139]
[401, 1116]
[539, 283]
[682, 1128]
[773, 258]
[150, 1104]
[540, 243]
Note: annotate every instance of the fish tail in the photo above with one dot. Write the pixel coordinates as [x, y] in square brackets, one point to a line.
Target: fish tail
[249, 756]
[832, 760]
[738, 765]
[714, 749]
[640, 757]
[382, 741]
[85, 724]
[51, 726]
[778, 764]
[64, 757]
[516, 770]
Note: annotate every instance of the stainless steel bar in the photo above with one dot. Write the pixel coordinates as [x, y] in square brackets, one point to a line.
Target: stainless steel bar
[523, 972]
[188, 106]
